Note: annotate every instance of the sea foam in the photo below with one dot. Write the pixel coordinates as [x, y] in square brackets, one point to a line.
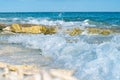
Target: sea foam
[93, 61]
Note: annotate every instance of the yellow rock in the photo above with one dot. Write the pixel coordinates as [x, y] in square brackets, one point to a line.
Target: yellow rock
[94, 30]
[105, 32]
[35, 29]
[26, 30]
[101, 31]
[31, 29]
[27, 25]
[74, 31]
[51, 30]
[16, 28]
[43, 29]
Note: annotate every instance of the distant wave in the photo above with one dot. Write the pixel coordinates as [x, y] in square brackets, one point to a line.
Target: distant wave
[62, 23]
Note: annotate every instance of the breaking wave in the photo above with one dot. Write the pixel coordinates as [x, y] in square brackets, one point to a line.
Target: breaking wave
[93, 57]
[62, 23]
[90, 60]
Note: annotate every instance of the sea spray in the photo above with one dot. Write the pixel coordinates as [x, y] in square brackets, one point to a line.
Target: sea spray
[93, 57]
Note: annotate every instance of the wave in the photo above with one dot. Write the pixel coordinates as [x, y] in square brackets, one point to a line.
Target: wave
[93, 57]
[93, 61]
[51, 22]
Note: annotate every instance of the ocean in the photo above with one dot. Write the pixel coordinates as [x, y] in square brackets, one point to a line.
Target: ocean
[93, 57]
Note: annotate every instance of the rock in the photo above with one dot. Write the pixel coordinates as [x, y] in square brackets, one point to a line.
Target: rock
[115, 30]
[93, 30]
[33, 29]
[27, 25]
[2, 26]
[105, 32]
[7, 28]
[16, 28]
[40, 29]
[51, 30]
[74, 31]
[101, 31]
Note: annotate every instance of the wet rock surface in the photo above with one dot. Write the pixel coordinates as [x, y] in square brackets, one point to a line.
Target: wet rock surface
[2, 25]
[44, 29]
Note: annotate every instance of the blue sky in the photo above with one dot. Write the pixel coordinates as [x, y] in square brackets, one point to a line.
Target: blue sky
[58, 5]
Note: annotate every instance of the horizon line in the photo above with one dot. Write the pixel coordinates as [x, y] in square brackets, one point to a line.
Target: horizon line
[51, 11]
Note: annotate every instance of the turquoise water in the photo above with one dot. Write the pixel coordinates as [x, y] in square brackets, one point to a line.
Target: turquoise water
[93, 57]
[107, 18]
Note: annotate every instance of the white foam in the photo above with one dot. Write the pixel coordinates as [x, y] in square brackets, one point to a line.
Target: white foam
[47, 21]
[91, 61]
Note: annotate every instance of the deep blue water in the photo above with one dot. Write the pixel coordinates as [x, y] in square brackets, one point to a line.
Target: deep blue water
[104, 17]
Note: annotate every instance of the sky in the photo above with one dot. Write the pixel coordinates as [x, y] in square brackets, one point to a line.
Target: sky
[59, 5]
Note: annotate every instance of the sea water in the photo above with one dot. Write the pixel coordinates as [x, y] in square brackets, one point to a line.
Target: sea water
[93, 57]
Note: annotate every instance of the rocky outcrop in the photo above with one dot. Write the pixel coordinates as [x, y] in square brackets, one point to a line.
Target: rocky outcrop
[101, 31]
[31, 72]
[93, 30]
[34, 29]
[2, 26]
[51, 30]
[42, 29]
[105, 32]
[74, 31]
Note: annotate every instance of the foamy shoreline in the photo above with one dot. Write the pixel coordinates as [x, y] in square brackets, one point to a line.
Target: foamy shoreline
[31, 72]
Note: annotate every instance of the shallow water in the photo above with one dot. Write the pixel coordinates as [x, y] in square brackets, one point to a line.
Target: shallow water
[93, 57]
